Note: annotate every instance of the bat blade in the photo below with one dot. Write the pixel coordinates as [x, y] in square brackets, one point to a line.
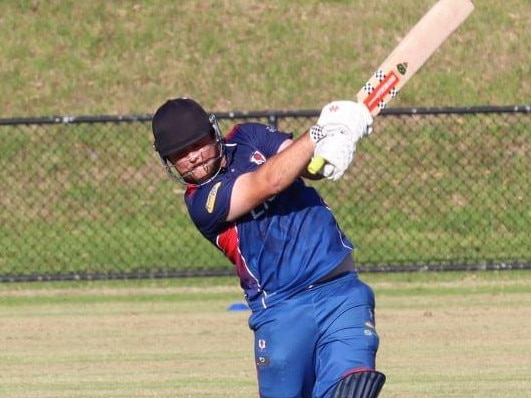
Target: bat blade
[412, 52]
[430, 32]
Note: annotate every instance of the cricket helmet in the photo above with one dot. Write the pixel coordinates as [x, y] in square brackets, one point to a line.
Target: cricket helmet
[178, 124]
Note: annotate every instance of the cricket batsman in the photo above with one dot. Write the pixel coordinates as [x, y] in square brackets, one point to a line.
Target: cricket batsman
[312, 317]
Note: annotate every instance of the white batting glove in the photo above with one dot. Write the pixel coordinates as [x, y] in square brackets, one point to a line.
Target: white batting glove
[340, 126]
[355, 117]
[338, 151]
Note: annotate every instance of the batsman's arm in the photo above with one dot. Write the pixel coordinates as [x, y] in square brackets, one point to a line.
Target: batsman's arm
[277, 173]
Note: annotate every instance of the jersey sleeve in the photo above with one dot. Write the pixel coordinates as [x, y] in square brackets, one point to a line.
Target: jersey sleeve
[209, 207]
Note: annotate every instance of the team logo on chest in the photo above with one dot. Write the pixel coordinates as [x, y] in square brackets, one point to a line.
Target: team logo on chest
[257, 158]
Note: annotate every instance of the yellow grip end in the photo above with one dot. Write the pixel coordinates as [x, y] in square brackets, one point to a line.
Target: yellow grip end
[316, 164]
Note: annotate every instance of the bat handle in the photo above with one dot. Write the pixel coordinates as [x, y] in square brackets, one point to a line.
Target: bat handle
[316, 164]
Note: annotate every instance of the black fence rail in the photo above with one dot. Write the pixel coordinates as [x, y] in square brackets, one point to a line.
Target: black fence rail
[431, 189]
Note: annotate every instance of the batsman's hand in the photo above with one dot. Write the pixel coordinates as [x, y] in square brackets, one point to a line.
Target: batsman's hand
[337, 151]
[352, 118]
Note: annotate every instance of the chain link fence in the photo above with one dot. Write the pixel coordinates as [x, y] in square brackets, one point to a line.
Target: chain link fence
[441, 188]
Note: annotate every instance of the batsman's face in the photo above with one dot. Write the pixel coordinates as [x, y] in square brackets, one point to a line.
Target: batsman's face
[199, 161]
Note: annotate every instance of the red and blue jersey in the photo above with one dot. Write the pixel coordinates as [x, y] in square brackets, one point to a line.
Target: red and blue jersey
[281, 247]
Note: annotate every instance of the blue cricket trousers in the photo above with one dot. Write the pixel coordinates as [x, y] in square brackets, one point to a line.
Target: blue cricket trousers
[305, 344]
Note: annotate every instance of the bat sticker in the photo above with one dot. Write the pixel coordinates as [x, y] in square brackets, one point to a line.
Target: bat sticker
[402, 68]
[386, 87]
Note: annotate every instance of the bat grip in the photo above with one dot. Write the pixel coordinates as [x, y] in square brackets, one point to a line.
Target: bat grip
[316, 164]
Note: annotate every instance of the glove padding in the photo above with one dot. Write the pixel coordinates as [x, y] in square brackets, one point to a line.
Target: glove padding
[338, 151]
[355, 117]
[341, 125]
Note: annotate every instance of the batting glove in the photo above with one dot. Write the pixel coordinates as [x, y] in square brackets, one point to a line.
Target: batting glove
[355, 117]
[338, 151]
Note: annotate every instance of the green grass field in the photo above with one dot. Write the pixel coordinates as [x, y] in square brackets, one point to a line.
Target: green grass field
[121, 57]
[89, 58]
[442, 335]
[74, 58]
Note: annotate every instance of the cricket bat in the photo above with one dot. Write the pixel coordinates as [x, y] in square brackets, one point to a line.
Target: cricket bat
[406, 59]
